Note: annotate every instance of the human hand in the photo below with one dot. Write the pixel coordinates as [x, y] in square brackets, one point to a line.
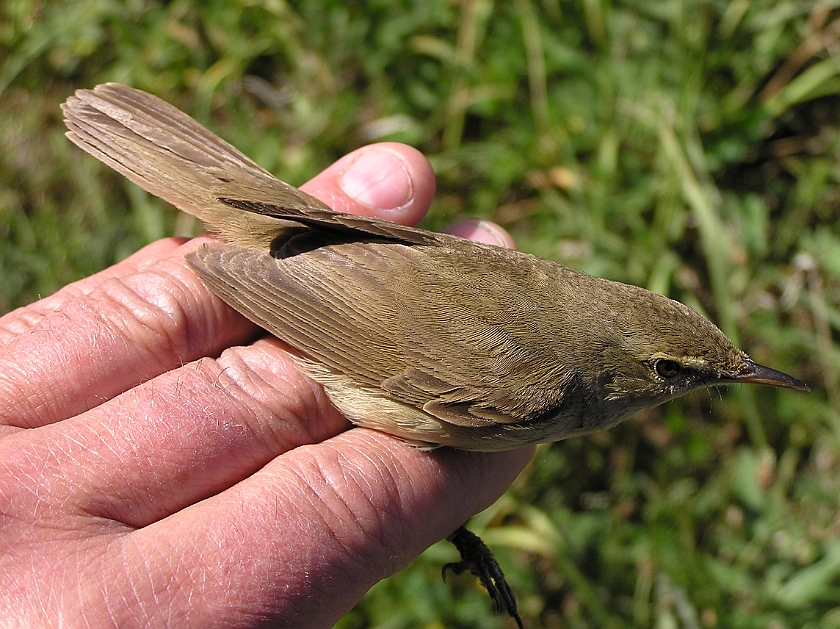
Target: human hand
[162, 463]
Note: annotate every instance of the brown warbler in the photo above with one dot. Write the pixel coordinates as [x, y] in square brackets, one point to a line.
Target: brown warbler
[425, 336]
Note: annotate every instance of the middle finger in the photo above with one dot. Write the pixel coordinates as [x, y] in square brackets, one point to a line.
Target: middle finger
[178, 438]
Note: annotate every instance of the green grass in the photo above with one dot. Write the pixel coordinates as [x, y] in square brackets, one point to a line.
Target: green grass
[690, 147]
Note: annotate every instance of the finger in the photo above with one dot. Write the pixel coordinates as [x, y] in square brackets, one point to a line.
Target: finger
[127, 330]
[481, 231]
[304, 538]
[22, 320]
[388, 180]
[131, 328]
[177, 439]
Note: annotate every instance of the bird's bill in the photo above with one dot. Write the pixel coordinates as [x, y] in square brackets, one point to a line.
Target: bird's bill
[753, 373]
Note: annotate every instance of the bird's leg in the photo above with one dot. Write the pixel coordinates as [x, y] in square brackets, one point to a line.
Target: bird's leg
[478, 559]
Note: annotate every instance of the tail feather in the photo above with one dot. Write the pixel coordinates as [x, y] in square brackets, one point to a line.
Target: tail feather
[169, 154]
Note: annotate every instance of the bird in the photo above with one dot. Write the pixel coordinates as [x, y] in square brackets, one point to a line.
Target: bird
[434, 339]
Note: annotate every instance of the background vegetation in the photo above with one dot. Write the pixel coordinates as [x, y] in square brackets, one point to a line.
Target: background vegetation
[688, 146]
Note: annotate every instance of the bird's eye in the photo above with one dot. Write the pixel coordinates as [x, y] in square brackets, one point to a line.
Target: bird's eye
[667, 368]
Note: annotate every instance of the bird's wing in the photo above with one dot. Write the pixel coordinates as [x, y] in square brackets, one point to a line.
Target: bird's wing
[353, 308]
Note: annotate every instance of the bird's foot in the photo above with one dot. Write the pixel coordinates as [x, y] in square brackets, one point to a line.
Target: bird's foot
[478, 559]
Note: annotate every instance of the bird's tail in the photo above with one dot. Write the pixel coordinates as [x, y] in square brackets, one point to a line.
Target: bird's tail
[170, 155]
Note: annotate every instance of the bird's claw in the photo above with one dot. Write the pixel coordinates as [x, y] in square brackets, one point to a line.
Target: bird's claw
[479, 560]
